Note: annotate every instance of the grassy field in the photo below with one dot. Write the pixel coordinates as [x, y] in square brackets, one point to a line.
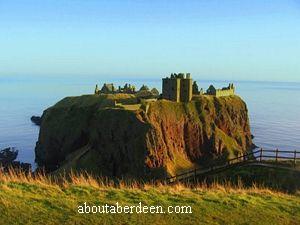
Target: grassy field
[27, 200]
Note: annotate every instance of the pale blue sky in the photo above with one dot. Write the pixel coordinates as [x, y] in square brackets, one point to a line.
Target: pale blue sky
[220, 40]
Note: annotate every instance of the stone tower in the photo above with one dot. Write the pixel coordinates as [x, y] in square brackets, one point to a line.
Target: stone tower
[96, 89]
[178, 87]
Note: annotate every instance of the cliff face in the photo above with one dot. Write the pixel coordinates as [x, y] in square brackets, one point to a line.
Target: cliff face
[149, 140]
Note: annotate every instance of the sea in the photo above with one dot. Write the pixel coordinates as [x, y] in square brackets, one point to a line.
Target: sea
[274, 107]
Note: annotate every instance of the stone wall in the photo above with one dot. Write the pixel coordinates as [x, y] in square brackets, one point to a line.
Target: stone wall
[226, 91]
[186, 90]
[171, 89]
[220, 92]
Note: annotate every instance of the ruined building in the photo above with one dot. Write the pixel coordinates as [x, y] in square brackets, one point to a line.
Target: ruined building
[196, 90]
[110, 89]
[226, 91]
[127, 89]
[106, 89]
[144, 91]
[178, 87]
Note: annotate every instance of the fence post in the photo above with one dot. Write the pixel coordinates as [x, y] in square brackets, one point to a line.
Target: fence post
[276, 154]
[261, 152]
[295, 153]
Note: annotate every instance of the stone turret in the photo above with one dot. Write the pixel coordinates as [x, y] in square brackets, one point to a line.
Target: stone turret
[97, 89]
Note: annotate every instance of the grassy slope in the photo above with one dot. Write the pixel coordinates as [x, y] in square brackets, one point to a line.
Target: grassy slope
[36, 201]
[276, 178]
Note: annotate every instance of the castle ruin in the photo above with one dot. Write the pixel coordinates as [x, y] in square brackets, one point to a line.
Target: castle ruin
[178, 87]
[127, 89]
[226, 91]
[143, 92]
[106, 89]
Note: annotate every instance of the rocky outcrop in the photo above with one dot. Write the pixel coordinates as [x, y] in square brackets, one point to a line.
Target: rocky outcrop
[8, 161]
[36, 120]
[153, 140]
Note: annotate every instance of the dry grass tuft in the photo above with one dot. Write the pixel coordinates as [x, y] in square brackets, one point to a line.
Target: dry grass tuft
[86, 179]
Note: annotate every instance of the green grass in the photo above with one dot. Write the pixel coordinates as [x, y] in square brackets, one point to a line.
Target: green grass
[27, 200]
[277, 177]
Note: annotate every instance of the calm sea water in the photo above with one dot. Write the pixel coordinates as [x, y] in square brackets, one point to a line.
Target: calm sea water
[274, 108]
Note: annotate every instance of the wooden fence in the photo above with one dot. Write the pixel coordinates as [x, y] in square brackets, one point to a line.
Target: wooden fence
[255, 156]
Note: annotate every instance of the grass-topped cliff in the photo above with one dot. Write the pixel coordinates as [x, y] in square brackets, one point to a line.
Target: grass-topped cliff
[40, 200]
[116, 135]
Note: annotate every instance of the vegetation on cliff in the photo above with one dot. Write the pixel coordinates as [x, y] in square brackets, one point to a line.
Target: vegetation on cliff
[116, 135]
[277, 176]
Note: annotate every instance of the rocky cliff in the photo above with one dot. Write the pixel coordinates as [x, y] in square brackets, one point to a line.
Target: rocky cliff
[115, 135]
